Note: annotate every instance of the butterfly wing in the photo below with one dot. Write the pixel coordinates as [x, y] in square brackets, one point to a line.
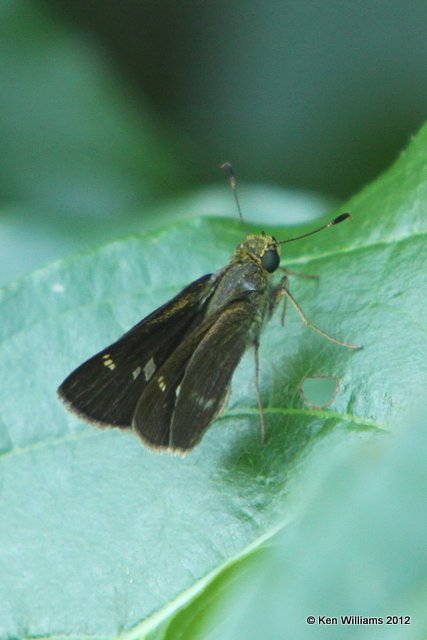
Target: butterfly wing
[188, 392]
[106, 388]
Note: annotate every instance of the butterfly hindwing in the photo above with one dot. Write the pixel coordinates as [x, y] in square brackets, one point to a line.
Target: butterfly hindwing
[187, 393]
[106, 388]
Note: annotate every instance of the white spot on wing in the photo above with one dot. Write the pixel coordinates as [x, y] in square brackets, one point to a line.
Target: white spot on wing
[201, 401]
[108, 362]
[136, 372]
[149, 369]
[161, 383]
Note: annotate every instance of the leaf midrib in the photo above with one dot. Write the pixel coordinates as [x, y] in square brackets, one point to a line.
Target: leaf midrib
[243, 412]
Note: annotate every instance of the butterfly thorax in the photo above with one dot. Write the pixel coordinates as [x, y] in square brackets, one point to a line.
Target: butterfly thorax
[247, 277]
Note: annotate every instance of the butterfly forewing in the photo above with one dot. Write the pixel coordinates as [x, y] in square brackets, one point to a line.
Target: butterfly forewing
[106, 388]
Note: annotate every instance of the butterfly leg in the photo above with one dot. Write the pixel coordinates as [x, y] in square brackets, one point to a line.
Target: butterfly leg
[284, 284]
[282, 317]
[310, 325]
[278, 294]
[258, 394]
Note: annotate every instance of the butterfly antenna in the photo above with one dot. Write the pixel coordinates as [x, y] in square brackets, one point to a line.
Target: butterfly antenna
[337, 220]
[227, 166]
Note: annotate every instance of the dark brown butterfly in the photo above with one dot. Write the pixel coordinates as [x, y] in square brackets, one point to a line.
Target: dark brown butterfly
[169, 376]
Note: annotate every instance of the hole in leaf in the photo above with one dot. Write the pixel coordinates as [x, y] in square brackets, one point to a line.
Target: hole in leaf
[318, 392]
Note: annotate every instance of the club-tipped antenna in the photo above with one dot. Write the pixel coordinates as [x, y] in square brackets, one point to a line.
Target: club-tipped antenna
[337, 220]
[228, 168]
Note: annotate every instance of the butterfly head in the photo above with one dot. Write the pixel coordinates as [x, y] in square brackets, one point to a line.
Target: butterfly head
[262, 249]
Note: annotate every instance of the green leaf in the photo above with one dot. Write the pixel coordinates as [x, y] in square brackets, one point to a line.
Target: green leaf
[359, 550]
[101, 537]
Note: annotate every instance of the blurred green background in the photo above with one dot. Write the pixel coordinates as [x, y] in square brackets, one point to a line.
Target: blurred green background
[112, 112]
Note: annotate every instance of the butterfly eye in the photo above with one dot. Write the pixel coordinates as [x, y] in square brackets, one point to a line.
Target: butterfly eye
[270, 260]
